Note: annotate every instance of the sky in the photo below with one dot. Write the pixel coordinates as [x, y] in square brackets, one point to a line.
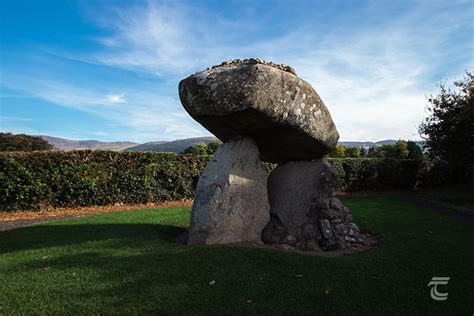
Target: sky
[109, 70]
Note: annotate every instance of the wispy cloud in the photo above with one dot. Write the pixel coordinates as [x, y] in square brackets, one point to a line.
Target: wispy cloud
[373, 76]
[373, 79]
[115, 98]
[145, 115]
[13, 119]
[158, 38]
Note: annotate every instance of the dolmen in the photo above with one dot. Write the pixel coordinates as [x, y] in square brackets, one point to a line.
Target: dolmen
[263, 112]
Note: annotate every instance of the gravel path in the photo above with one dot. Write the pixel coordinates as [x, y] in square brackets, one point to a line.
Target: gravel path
[460, 213]
[17, 223]
[20, 219]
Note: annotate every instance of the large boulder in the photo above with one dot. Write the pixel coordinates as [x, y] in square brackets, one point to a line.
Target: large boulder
[305, 211]
[268, 102]
[231, 201]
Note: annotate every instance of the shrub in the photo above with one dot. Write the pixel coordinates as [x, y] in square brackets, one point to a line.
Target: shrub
[82, 178]
[37, 180]
[376, 174]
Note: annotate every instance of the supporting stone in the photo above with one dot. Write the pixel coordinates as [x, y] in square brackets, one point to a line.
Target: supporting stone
[305, 211]
[231, 203]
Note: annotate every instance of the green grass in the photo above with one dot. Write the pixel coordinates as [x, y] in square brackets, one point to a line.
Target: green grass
[125, 263]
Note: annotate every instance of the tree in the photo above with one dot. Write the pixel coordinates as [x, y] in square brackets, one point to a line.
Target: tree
[449, 130]
[212, 147]
[190, 150]
[22, 142]
[401, 149]
[353, 152]
[338, 152]
[414, 151]
[371, 152]
[363, 152]
[202, 149]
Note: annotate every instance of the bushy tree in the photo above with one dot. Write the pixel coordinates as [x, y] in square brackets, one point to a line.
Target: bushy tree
[22, 142]
[353, 152]
[212, 147]
[190, 150]
[338, 152]
[399, 150]
[203, 149]
[371, 151]
[414, 151]
[449, 130]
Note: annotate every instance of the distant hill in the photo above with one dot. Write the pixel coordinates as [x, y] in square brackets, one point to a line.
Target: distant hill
[149, 146]
[375, 144]
[68, 144]
[176, 146]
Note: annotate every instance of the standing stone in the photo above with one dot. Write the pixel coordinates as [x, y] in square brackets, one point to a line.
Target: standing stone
[304, 207]
[231, 202]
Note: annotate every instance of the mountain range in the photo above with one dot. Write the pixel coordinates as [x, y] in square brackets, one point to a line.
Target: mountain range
[69, 144]
[178, 145]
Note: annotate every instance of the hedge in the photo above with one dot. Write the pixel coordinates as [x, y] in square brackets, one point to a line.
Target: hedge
[40, 180]
[83, 178]
[364, 174]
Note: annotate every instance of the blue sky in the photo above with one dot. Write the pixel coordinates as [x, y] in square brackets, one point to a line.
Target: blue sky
[109, 70]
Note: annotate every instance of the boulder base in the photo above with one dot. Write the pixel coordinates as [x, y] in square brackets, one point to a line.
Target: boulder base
[231, 202]
[267, 102]
[305, 211]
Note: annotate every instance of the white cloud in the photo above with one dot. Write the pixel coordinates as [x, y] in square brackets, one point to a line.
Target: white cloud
[4, 118]
[373, 79]
[143, 115]
[162, 39]
[115, 98]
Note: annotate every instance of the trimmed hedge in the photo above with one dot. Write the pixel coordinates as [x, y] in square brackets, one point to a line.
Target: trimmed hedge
[363, 174]
[39, 180]
[82, 178]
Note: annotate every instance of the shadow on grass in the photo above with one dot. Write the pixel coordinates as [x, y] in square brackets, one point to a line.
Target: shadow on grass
[42, 236]
[118, 268]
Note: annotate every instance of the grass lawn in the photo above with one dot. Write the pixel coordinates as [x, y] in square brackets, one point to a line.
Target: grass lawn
[125, 263]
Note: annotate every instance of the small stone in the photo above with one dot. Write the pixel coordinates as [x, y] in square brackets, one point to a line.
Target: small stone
[355, 228]
[336, 204]
[312, 245]
[290, 239]
[350, 239]
[326, 228]
[212, 283]
[286, 247]
[340, 229]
